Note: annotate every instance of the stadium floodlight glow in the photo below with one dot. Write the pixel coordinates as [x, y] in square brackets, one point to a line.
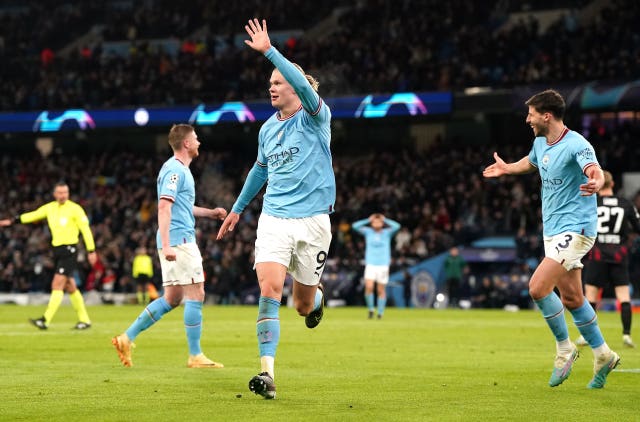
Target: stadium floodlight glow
[239, 109]
[141, 117]
[411, 101]
[44, 124]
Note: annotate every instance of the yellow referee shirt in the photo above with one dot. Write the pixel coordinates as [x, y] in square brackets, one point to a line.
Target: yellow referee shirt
[142, 264]
[65, 221]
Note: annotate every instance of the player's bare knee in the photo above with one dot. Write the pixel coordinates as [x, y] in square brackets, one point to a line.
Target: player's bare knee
[174, 302]
[572, 301]
[536, 291]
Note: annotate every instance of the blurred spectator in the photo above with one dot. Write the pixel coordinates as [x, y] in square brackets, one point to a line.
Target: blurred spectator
[373, 46]
[454, 269]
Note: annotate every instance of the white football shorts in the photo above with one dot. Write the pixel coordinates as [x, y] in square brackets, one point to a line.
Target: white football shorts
[377, 273]
[186, 269]
[568, 248]
[300, 244]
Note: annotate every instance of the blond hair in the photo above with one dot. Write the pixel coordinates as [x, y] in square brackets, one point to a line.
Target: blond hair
[177, 134]
[312, 81]
[608, 180]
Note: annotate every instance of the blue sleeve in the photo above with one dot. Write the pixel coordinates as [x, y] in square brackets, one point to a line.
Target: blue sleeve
[310, 99]
[255, 181]
[170, 184]
[394, 226]
[358, 225]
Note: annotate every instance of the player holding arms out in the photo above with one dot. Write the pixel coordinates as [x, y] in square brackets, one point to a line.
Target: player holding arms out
[294, 231]
[377, 257]
[180, 259]
[66, 220]
[570, 176]
[608, 260]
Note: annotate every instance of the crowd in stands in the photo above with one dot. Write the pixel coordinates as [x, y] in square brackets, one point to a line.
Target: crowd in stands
[374, 46]
[438, 195]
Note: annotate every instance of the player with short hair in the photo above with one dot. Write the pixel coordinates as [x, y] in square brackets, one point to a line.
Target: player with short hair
[608, 260]
[294, 231]
[180, 259]
[377, 257]
[66, 220]
[570, 176]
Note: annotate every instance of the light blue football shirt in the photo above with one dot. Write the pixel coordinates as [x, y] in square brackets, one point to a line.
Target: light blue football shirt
[296, 153]
[377, 243]
[561, 165]
[175, 183]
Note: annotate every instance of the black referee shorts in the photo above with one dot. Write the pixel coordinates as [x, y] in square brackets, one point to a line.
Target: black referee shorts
[66, 259]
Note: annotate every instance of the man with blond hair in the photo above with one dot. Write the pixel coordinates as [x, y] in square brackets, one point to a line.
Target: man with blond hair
[294, 231]
[180, 259]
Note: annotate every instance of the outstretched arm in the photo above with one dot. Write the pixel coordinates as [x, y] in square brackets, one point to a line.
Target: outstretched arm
[27, 217]
[212, 213]
[255, 181]
[500, 168]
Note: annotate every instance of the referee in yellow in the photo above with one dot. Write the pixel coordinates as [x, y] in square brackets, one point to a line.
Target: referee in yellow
[142, 273]
[66, 221]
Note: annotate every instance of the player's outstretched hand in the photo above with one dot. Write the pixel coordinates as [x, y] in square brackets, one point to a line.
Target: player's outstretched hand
[5, 223]
[496, 169]
[218, 213]
[228, 224]
[259, 36]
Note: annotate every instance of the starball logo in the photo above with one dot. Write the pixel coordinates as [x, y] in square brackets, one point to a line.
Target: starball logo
[45, 124]
[411, 101]
[238, 109]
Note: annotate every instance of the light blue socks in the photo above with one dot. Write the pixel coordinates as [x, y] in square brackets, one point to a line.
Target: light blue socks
[193, 325]
[149, 316]
[382, 303]
[553, 312]
[268, 326]
[368, 298]
[587, 322]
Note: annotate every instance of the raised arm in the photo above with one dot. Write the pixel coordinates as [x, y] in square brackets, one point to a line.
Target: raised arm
[500, 168]
[393, 225]
[358, 225]
[260, 41]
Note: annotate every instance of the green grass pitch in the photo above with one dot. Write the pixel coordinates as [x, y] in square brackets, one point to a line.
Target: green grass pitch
[412, 365]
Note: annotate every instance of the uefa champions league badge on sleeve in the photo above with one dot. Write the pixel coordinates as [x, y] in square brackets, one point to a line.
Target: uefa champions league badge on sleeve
[173, 182]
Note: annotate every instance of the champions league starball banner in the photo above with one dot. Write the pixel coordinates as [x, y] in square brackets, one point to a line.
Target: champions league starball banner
[361, 107]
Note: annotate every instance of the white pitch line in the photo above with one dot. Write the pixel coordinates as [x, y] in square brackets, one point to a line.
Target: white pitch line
[630, 370]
